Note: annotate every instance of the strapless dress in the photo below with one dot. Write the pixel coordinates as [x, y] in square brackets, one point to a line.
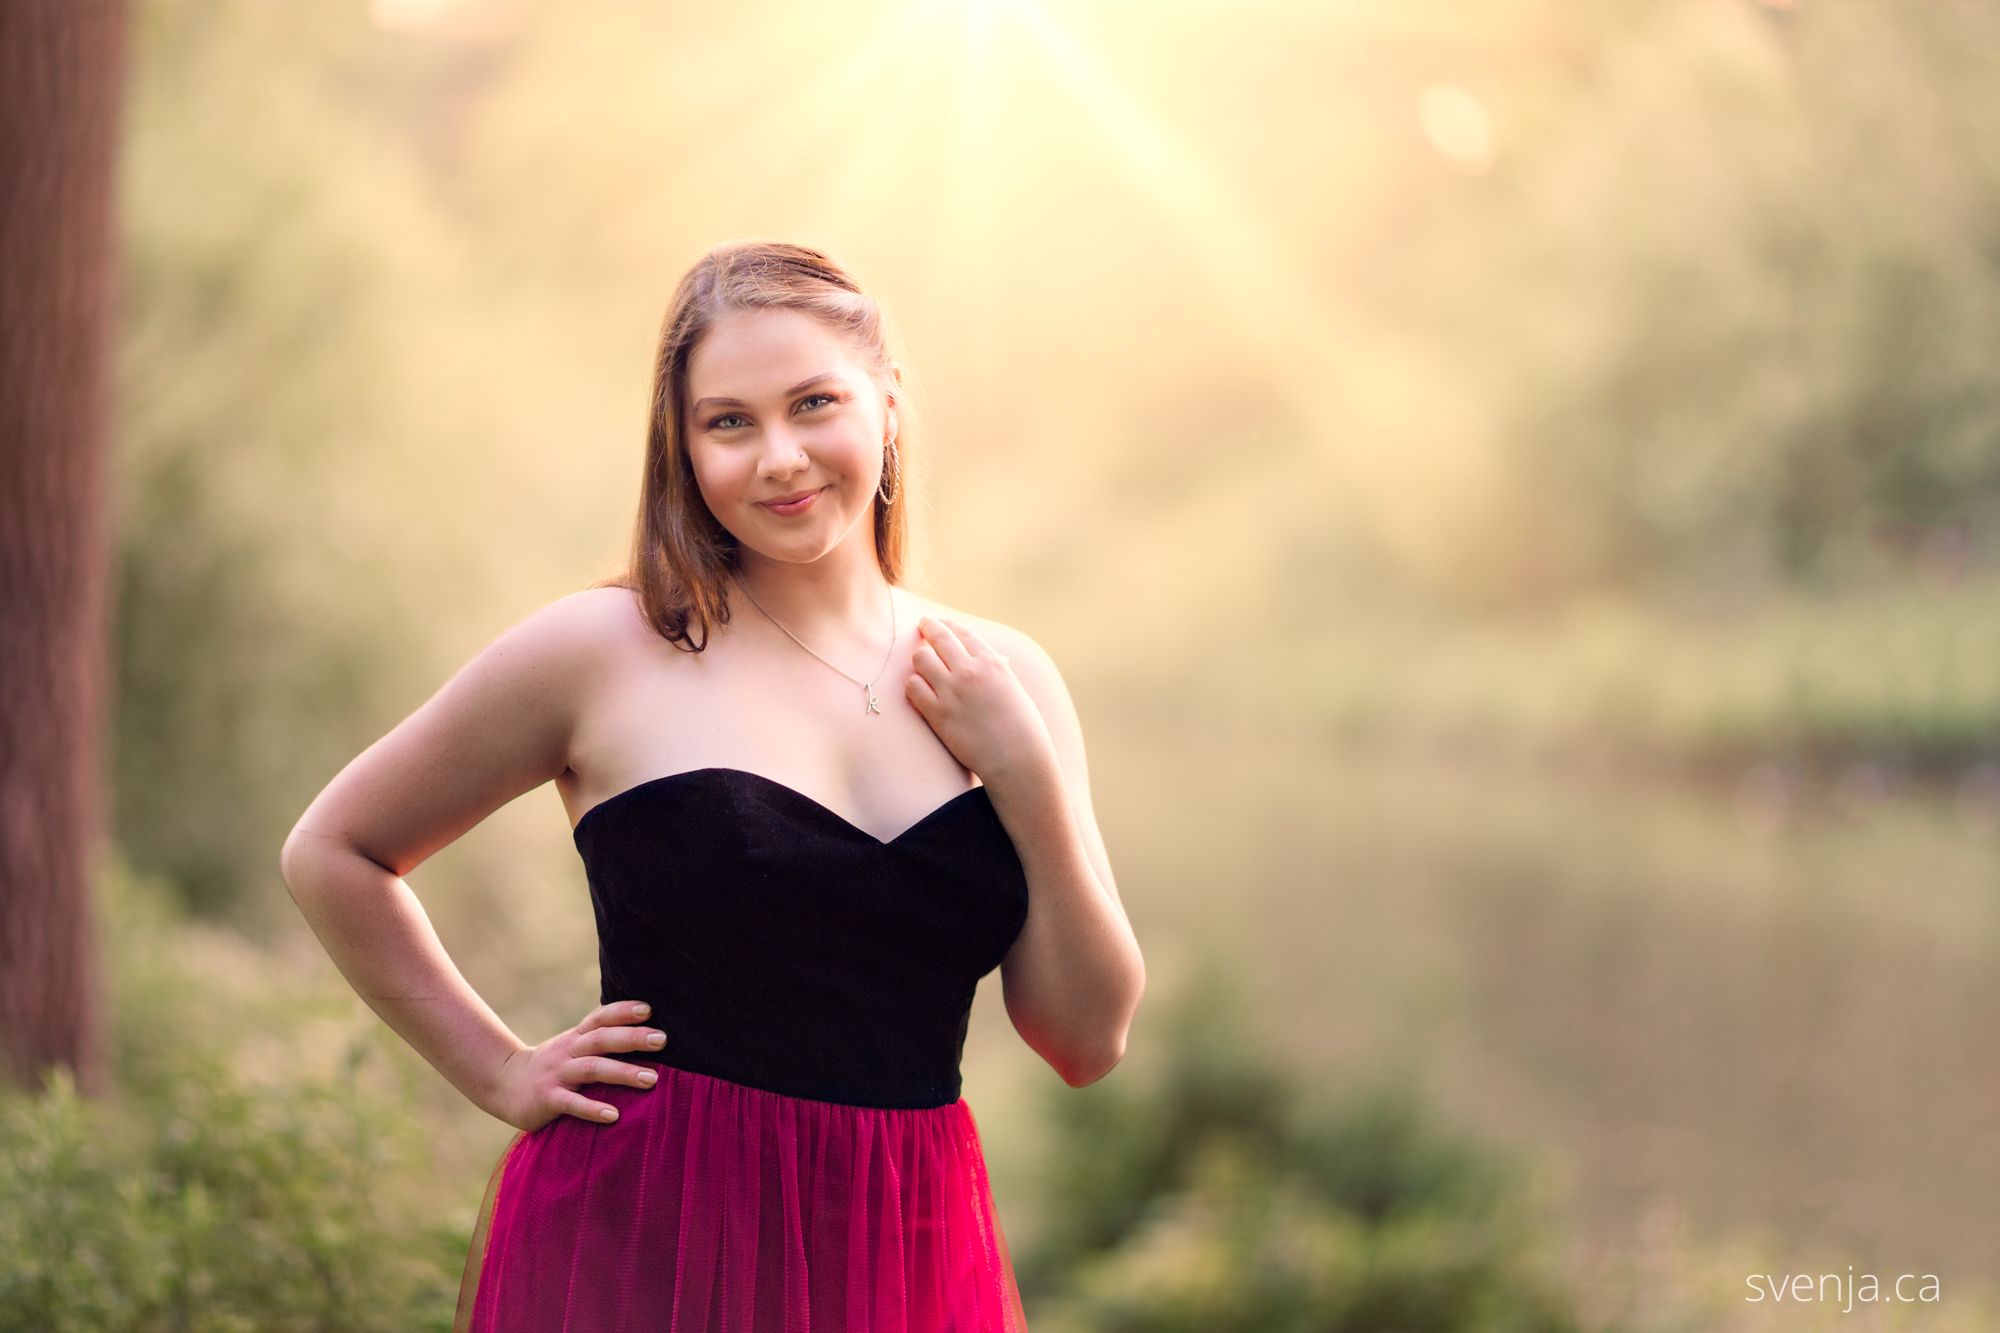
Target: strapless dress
[805, 1163]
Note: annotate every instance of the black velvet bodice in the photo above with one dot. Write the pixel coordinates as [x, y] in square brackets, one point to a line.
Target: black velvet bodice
[783, 947]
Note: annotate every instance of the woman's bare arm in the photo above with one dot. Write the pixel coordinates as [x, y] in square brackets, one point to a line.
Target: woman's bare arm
[500, 727]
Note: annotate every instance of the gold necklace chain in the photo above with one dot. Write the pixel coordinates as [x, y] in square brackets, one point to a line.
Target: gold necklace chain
[867, 686]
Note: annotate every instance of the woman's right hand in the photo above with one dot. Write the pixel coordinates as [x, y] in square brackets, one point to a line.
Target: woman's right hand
[538, 1083]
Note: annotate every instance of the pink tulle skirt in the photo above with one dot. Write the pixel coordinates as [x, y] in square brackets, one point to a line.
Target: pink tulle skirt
[711, 1206]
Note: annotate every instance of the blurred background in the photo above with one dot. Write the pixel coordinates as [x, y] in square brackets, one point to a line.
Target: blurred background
[1512, 486]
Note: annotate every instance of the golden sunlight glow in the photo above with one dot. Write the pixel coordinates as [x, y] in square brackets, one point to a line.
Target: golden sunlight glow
[1219, 229]
[399, 14]
[462, 17]
[1457, 125]
[1312, 352]
[964, 129]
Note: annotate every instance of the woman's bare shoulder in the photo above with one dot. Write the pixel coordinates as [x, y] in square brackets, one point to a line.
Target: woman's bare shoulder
[503, 724]
[920, 605]
[1013, 642]
[586, 621]
[611, 610]
[566, 644]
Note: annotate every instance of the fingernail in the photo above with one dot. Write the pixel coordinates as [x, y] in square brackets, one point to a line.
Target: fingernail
[649, 1078]
[642, 1009]
[609, 1113]
[657, 1039]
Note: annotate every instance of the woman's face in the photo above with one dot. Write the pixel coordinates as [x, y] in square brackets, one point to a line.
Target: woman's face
[779, 407]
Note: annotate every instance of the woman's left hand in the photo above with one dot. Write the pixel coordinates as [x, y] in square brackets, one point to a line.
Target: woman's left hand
[966, 690]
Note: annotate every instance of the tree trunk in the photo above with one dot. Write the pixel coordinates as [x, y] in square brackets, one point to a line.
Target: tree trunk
[61, 69]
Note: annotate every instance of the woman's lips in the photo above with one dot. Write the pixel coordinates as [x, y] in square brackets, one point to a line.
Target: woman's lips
[795, 507]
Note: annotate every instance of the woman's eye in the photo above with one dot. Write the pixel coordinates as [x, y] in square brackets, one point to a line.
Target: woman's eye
[716, 423]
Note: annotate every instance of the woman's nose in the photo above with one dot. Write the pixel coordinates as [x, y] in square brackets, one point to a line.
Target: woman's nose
[782, 453]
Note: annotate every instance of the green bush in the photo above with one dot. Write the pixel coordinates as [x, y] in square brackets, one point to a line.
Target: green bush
[1218, 1198]
[221, 1206]
[255, 1166]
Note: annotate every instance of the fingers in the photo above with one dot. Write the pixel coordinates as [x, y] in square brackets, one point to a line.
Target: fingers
[941, 639]
[608, 1029]
[945, 649]
[597, 1069]
[591, 1069]
[972, 645]
[928, 666]
[603, 1069]
[571, 1102]
[974, 642]
[618, 1011]
[599, 1041]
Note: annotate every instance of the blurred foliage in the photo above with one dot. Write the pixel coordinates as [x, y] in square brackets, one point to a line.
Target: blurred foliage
[1207, 1193]
[1668, 431]
[262, 1166]
[271, 1159]
[1211, 1191]
[263, 336]
[1896, 676]
[252, 1171]
[223, 1207]
[1719, 302]
[1703, 331]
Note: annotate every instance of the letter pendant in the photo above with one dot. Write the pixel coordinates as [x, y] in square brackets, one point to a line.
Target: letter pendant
[873, 702]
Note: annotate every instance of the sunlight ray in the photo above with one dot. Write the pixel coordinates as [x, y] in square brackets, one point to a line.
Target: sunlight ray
[821, 97]
[874, 196]
[968, 196]
[1237, 249]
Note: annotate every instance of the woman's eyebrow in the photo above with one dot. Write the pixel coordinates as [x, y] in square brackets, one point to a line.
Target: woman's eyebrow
[806, 383]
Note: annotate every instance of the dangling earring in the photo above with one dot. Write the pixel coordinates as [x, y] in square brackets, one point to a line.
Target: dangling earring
[892, 473]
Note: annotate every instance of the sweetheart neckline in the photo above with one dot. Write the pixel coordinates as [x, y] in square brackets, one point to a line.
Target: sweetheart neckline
[576, 833]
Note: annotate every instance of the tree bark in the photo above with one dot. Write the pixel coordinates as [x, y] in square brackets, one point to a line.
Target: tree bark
[61, 72]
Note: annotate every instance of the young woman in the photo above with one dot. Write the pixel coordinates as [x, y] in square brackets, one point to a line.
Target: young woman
[813, 809]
